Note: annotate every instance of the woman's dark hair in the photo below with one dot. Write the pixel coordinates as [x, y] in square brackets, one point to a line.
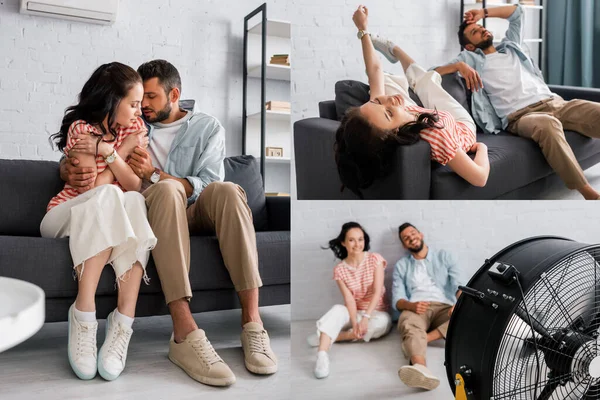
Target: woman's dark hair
[98, 99]
[364, 153]
[336, 244]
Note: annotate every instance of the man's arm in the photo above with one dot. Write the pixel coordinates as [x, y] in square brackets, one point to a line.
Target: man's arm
[460, 64]
[513, 13]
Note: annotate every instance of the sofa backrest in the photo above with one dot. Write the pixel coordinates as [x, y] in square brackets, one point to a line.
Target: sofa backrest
[349, 93]
[27, 186]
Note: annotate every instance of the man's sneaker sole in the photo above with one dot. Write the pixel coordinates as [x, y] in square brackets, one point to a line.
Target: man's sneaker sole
[205, 379]
[103, 373]
[412, 377]
[79, 374]
[261, 370]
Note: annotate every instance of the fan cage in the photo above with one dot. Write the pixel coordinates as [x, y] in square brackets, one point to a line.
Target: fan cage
[565, 300]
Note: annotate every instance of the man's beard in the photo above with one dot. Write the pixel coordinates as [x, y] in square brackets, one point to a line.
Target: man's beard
[486, 43]
[418, 248]
[161, 115]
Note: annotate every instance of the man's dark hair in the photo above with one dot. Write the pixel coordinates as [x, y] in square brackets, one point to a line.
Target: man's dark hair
[404, 226]
[462, 38]
[166, 73]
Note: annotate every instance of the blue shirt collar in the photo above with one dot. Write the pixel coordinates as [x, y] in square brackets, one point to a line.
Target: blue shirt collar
[427, 257]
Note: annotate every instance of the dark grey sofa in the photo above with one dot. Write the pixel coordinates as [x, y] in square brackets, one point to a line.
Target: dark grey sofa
[26, 188]
[518, 167]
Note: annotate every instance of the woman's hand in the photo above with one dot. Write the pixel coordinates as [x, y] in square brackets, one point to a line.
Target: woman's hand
[472, 16]
[363, 327]
[85, 143]
[137, 139]
[360, 18]
[105, 149]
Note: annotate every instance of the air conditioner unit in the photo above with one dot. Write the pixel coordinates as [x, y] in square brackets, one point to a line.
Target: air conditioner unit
[92, 11]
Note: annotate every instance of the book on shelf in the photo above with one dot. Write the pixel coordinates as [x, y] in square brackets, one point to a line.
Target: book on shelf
[282, 106]
[280, 59]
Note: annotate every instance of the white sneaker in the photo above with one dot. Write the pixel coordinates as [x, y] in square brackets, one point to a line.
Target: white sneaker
[81, 348]
[313, 340]
[385, 47]
[418, 376]
[322, 365]
[113, 353]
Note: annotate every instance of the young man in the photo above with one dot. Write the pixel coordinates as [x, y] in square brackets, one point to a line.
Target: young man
[509, 93]
[182, 168]
[424, 290]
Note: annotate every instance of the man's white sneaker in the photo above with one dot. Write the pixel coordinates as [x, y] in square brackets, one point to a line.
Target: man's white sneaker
[418, 376]
[385, 47]
[322, 365]
[113, 353]
[81, 348]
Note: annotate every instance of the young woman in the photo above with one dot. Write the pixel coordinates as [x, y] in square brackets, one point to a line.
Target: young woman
[360, 279]
[368, 135]
[104, 224]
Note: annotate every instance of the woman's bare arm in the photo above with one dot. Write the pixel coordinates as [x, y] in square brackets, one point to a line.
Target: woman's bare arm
[476, 171]
[372, 61]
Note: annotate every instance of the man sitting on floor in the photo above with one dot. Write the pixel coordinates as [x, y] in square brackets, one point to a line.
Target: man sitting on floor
[424, 289]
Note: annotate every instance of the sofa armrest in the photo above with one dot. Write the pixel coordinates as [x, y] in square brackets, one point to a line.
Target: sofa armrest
[410, 178]
[576, 92]
[278, 211]
[316, 172]
[327, 110]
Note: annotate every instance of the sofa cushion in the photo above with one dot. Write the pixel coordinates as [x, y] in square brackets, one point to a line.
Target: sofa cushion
[351, 93]
[455, 85]
[245, 171]
[515, 162]
[48, 264]
[27, 187]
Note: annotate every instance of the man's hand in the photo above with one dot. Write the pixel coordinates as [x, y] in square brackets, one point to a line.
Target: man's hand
[85, 143]
[137, 139]
[450, 311]
[141, 163]
[81, 179]
[472, 16]
[420, 307]
[474, 82]
[361, 17]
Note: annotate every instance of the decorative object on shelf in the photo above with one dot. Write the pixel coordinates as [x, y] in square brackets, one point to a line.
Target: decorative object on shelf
[281, 59]
[274, 152]
[284, 106]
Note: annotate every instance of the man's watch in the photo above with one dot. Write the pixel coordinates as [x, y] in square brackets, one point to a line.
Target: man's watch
[155, 177]
[362, 33]
[485, 13]
[111, 157]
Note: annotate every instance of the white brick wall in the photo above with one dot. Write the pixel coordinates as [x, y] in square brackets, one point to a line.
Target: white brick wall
[471, 230]
[44, 62]
[325, 47]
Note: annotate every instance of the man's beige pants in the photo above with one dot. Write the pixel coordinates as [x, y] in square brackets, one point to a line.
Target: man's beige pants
[413, 327]
[545, 122]
[221, 208]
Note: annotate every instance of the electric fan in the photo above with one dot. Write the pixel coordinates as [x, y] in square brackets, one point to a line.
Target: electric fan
[526, 326]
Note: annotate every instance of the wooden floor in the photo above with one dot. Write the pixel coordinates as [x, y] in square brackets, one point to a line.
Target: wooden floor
[39, 369]
[361, 370]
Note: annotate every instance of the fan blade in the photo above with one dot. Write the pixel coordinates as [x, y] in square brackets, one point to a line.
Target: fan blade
[593, 392]
[548, 389]
[535, 324]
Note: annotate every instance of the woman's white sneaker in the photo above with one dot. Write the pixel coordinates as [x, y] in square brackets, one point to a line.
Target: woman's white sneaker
[322, 365]
[113, 353]
[385, 47]
[82, 348]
